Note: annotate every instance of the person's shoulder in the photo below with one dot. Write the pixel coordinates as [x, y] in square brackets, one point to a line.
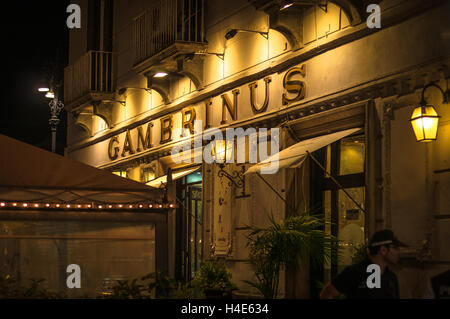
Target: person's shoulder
[360, 266]
[355, 270]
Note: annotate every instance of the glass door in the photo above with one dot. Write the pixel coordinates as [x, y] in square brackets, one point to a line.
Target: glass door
[345, 160]
[190, 238]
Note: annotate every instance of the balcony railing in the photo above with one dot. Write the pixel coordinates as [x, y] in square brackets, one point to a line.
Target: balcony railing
[167, 22]
[92, 73]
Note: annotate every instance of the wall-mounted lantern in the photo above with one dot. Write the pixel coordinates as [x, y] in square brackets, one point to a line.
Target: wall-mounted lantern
[223, 151]
[425, 119]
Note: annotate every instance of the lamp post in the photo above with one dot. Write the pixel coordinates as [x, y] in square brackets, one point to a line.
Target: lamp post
[56, 106]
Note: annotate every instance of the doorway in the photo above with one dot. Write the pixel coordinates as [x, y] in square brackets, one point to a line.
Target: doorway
[345, 160]
[190, 223]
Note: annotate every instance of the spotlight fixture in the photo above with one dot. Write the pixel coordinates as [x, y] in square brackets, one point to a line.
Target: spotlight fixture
[112, 100]
[231, 33]
[219, 55]
[123, 90]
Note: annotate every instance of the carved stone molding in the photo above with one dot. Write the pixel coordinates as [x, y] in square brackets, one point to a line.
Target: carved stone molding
[192, 67]
[105, 111]
[84, 120]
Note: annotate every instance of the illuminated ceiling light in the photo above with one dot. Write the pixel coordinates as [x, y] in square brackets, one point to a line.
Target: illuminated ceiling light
[100, 206]
[50, 95]
[120, 206]
[57, 205]
[171, 205]
[425, 119]
[286, 5]
[79, 206]
[160, 206]
[36, 205]
[14, 204]
[141, 206]
[150, 206]
[160, 75]
[47, 205]
[2, 204]
[110, 206]
[25, 205]
[131, 206]
[89, 206]
[68, 206]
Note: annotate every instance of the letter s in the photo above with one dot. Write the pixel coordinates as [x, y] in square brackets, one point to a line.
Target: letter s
[297, 87]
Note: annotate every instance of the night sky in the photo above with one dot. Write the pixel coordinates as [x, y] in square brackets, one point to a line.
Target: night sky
[35, 38]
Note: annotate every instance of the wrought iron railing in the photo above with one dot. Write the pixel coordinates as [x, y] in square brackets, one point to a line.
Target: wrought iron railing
[167, 22]
[91, 73]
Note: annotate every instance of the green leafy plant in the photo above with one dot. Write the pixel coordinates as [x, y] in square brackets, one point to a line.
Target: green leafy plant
[11, 288]
[129, 289]
[285, 243]
[214, 276]
[360, 253]
[157, 285]
[161, 284]
[187, 291]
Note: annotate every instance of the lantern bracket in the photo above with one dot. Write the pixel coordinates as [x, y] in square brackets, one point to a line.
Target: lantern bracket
[446, 94]
[236, 179]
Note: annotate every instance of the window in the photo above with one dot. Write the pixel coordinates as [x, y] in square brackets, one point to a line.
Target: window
[122, 173]
[147, 173]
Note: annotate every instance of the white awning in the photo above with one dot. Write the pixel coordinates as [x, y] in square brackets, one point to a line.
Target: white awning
[158, 182]
[295, 155]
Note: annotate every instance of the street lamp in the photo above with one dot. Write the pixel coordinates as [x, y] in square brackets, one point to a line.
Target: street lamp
[56, 106]
[425, 119]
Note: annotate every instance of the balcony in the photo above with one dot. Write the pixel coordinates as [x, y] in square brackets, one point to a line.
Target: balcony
[89, 79]
[168, 29]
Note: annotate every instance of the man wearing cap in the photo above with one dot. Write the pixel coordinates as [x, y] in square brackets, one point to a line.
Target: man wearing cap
[352, 281]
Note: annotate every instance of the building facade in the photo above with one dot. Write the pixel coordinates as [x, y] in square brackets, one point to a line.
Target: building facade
[141, 73]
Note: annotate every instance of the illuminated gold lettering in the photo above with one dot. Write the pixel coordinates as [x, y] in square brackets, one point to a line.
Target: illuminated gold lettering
[207, 104]
[253, 87]
[188, 123]
[128, 145]
[294, 87]
[116, 149]
[166, 129]
[232, 108]
[145, 142]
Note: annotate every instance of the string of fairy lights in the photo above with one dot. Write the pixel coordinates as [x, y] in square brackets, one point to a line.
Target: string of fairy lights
[90, 206]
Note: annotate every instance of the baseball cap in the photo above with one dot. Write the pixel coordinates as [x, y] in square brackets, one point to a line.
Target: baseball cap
[385, 237]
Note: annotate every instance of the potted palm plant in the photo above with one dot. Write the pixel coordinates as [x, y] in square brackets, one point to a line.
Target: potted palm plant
[283, 244]
[215, 280]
